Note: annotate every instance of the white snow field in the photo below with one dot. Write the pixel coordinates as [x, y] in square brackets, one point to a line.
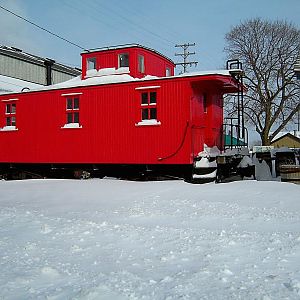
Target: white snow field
[113, 239]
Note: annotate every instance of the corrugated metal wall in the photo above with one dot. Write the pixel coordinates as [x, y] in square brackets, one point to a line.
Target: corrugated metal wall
[21, 65]
[20, 69]
[58, 77]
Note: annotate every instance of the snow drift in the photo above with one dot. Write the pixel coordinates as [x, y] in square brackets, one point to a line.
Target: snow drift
[110, 239]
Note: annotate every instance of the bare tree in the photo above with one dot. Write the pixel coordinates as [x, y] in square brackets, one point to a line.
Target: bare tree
[268, 51]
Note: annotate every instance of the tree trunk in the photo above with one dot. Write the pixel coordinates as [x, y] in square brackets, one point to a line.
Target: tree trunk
[265, 141]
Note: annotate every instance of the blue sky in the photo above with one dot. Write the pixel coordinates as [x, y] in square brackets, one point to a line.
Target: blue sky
[156, 24]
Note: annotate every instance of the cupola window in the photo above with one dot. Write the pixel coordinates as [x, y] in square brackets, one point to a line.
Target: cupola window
[123, 60]
[141, 64]
[91, 63]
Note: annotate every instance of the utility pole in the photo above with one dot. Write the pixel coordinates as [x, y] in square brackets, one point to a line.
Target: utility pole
[185, 55]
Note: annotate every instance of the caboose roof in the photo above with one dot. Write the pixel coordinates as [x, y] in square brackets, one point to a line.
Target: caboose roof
[123, 78]
[110, 79]
[125, 46]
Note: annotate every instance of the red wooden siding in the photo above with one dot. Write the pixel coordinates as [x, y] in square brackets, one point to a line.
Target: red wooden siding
[155, 64]
[109, 115]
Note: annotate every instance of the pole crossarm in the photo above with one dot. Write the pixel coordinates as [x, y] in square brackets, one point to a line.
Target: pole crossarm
[185, 55]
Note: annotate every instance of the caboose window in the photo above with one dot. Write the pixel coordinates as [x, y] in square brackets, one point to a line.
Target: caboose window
[69, 118]
[11, 108]
[72, 107]
[69, 103]
[72, 103]
[72, 117]
[123, 60]
[91, 63]
[168, 72]
[76, 103]
[10, 112]
[153, 114]
[145, 114]
[152, 97]
[145, 98]
[11, 121]
[148, 103]
[141, 64]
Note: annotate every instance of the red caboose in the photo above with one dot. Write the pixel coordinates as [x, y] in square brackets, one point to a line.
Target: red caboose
[127, 113]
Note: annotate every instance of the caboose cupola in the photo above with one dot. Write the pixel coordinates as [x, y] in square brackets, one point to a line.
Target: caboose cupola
[135, 60]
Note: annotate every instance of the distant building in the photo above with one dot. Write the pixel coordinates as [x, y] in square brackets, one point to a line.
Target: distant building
[287, 139]
[15, 63]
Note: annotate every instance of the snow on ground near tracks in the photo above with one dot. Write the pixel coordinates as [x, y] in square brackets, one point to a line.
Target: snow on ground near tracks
[110, 239]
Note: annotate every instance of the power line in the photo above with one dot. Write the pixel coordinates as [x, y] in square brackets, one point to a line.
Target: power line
[149, 20]
[134, 24]
[48, 31]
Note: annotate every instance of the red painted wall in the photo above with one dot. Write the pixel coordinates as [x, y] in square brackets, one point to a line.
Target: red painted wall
[155, 64]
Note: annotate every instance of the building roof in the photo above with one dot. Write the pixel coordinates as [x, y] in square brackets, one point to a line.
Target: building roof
[284, 133]
[295, 136]
[38, 60]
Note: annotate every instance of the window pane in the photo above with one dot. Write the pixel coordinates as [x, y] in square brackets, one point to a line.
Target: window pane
[13, 121]
[76, 117]
[8, 108]
[69, 103]
[145, 114]
[153, 114]
[76, 103]
[168, 72]
[152, 97]
[144, 98]
[124, 60]
[141, 65]
[69, 118]
[8, 121]
[91, 63]
[13, 108]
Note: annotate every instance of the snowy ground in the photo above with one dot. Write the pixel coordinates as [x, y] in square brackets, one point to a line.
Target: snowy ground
[111, 239]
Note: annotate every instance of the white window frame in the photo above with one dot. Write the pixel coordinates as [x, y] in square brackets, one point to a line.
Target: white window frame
[89, 61]
[149, 121]
[10, 113]
[141, 63]
[72, 110]
[168, 71]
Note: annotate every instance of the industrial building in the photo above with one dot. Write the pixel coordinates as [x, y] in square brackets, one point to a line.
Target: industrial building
[17, 64]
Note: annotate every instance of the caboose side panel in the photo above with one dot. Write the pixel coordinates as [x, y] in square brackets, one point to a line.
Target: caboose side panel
[101, 124]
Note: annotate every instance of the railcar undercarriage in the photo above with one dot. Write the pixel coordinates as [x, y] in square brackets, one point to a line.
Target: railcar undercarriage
[9, 171]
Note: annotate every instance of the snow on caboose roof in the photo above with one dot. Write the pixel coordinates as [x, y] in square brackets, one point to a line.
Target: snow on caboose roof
[102, 77]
